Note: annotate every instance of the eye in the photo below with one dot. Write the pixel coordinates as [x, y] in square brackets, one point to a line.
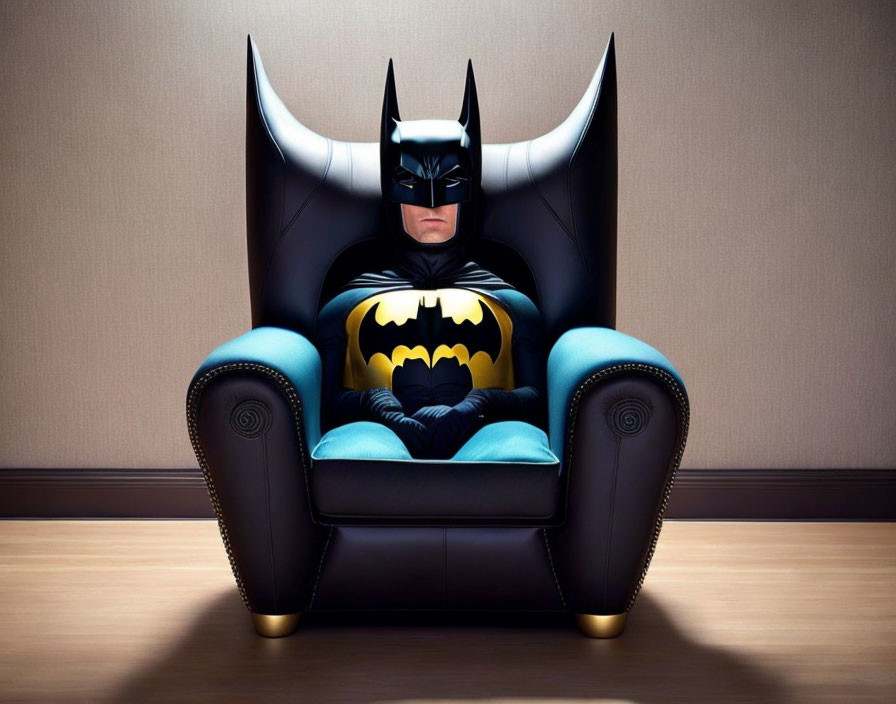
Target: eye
[455, 177]
[404, 178]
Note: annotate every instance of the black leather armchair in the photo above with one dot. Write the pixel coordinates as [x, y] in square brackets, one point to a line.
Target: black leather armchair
[304, 535]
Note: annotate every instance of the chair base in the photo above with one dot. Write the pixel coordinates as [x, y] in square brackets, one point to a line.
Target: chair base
[595, 626]
[275, 625]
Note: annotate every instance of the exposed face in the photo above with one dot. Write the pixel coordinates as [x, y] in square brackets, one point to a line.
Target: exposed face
[429, 225]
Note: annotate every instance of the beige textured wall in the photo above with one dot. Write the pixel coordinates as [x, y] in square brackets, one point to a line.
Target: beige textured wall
[756, 225]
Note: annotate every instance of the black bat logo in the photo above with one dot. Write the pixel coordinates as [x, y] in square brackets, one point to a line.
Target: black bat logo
[429, 329]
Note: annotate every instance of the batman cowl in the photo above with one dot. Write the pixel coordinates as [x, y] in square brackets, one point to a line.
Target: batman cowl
[430, 163]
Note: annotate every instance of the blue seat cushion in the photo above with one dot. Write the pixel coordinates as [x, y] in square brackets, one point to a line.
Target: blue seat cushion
[505, 474]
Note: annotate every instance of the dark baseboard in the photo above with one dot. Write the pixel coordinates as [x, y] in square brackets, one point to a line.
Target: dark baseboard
[708, 494]
[103, 493]
[784, 494]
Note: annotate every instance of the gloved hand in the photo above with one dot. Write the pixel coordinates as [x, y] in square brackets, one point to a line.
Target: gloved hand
[454, 427]
[427, 414]
[376, 403]
[381, 405]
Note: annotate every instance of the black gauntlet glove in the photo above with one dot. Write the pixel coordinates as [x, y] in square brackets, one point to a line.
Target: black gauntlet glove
[454, 427]
[428, 414]
[380, 405]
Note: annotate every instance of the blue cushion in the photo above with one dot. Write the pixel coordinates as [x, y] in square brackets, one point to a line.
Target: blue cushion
[362, 440]
[504, 441]
[507, 441]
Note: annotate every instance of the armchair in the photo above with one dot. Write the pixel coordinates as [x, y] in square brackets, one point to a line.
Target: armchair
[315, 523]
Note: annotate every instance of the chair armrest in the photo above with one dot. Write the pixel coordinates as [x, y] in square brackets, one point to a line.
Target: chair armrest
[580, 357]
[618, 421]
[283, 352]
[253, 413]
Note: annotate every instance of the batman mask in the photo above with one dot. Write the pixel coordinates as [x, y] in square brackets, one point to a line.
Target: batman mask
[430, 163]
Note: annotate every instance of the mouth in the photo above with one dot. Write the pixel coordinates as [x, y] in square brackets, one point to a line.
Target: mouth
[433, 220]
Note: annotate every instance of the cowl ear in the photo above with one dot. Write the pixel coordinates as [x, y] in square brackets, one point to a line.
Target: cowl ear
[469, 113]
[390, 107]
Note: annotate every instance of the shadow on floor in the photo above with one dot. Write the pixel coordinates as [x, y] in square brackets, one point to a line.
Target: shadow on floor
[402, 658]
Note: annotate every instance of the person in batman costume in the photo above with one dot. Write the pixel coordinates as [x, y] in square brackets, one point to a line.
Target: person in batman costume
[435, 347]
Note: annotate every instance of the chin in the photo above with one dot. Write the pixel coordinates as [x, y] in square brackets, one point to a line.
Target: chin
[434, 238]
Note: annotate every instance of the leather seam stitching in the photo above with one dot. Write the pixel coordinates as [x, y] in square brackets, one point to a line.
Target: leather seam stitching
[267, 503]
[547, 546]
[284, 230]
[507, 165]
[320, 568]
[435, 517]
[445, 567]
[610, 517]
[351, 166]
[544, 200]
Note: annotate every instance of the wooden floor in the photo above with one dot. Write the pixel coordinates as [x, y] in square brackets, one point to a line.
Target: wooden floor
[147, 611]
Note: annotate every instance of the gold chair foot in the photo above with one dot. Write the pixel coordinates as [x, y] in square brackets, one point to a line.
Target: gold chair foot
[275, 625]
[595, 626]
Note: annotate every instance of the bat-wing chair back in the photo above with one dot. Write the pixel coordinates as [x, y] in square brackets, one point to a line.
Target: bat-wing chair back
[572, 529]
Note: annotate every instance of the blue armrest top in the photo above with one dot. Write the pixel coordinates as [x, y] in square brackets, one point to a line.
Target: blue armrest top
[581, 352]
[286, 352]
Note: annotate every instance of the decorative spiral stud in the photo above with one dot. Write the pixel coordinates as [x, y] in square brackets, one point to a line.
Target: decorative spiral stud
[628, 417]
[251, 419]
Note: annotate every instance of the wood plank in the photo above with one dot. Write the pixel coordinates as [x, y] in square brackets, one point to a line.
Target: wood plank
[146, 611]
